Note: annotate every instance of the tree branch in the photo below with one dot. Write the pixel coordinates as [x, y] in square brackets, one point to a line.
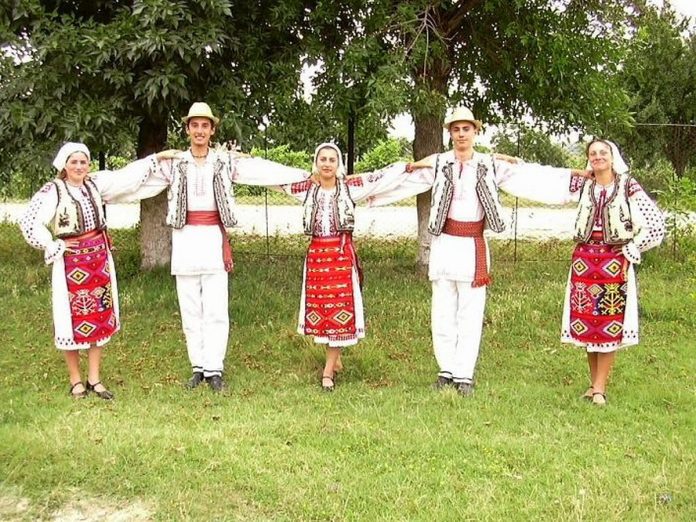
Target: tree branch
[456, 15]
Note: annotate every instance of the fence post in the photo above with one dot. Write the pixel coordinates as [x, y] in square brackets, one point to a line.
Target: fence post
[514, 212]
[265, 195]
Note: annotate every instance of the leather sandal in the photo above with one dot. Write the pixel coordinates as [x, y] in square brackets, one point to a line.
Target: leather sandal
[78, 395]
[327, 387]
[588, 394]
[103, 394]
[599, 399]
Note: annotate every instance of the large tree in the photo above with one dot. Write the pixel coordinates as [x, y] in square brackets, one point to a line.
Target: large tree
[551, 60]
[659, 75]
[102, 71]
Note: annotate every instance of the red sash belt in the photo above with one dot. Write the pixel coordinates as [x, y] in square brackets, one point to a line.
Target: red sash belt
[472, 229]
[91, 235]
[212, 217]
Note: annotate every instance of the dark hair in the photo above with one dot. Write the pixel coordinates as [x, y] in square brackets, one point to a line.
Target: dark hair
[598, 140]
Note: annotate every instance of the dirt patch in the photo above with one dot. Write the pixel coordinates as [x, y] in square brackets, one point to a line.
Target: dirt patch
[16, 508]
[93, 510]
[12, 506]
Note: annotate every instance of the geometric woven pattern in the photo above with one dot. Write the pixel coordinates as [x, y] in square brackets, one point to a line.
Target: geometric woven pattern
[597, 293]
[89, 290]
[329, 301]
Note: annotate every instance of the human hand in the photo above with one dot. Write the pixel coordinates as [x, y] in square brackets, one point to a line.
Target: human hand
[71, 245]
[409, 167]
[168, 154]
[507, 158]
[588, 174]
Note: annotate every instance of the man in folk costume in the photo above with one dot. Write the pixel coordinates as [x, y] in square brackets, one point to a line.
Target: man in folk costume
[465, 201]
[201, 206]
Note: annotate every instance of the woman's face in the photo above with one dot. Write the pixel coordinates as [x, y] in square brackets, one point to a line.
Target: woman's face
[76, 168]
[599, 156]
[327, 163]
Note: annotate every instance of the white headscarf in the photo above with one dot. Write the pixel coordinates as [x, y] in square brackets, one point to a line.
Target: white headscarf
[340, 170]
[67, 150]
[617, 162]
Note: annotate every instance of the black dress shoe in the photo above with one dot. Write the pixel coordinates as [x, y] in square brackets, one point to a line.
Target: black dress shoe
[216, 383]
[464, 388]
[442, 382]
[104, 394]
[195, 380]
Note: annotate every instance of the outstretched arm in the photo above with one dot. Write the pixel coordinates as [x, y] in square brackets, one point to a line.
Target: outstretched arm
[389, 184]
[548, 185]
[143, 178]
[257, 171]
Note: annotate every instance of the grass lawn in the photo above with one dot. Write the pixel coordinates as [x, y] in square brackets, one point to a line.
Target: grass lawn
[384, 446]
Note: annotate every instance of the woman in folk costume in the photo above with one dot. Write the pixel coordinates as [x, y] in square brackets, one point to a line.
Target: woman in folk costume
[65, 219]
[331, 306]
[616, 222]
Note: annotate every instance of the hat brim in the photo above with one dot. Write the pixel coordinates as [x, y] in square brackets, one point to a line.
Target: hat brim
[477, 123]
[215, 120]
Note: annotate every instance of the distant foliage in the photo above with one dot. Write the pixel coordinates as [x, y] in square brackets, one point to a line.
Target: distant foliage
[386, 152]
[533, 146]
[283, 155]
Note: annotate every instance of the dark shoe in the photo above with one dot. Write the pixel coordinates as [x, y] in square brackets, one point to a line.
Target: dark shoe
[195, 380]
[327, 383]
[77, 395]
[442, 382]
[103, 394]
[216, 383]
[464, 388]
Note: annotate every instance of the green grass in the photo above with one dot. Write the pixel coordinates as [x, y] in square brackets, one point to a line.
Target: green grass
[384, 446]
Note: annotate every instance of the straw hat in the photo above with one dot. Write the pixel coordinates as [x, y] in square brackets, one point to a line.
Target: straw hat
[461, 114]
[200, 110]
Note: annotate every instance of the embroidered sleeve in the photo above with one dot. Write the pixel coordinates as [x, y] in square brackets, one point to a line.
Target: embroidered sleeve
[541, 183]
[390, 184]
[648, 223]
[296, 190]
[141, 179]
[33, 223]
[257, 171]
[576, 184]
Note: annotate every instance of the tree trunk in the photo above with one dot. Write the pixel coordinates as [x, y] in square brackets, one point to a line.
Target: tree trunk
[427, 121]
[155, 236]
[428, 140]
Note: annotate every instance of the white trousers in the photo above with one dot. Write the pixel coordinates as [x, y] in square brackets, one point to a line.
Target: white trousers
[205, 318]
[457, 321]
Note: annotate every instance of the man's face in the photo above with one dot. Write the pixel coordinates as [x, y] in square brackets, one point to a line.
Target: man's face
[199, 131]
[463, 134]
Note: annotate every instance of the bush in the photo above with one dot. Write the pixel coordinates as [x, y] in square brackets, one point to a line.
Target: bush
[386, 152]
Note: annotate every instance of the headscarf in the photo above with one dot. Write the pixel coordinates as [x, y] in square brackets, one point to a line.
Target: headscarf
[340, 169]
[67, 150]
[617, 161]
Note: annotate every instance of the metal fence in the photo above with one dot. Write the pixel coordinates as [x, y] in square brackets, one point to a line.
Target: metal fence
[660, 155]
[270, 222]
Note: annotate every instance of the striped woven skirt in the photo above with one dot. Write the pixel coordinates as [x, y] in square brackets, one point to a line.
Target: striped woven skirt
[597, 295]
[331, 309]
[90, 297]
